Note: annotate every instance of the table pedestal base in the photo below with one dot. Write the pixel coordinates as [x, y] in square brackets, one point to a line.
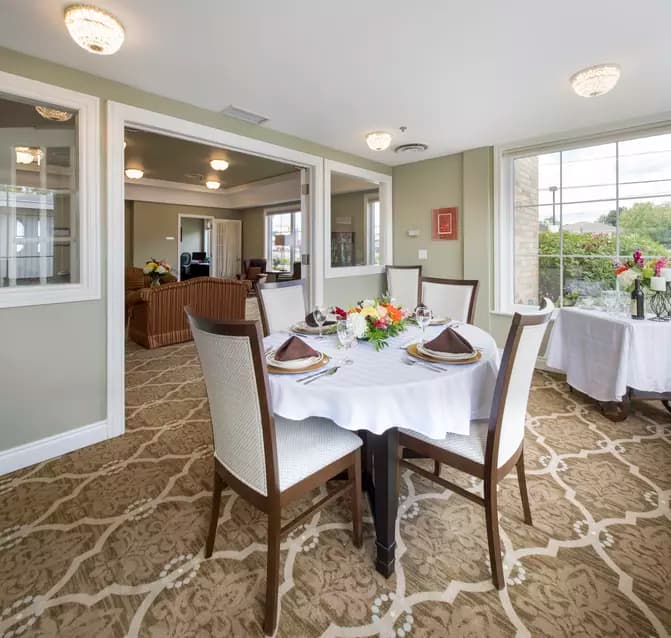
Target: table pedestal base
[379, 480]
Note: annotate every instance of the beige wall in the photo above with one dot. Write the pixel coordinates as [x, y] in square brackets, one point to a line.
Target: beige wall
[352, 206]
[193, 235]
[152, 223]
[344, 291]
[55, 376]
[253, 233]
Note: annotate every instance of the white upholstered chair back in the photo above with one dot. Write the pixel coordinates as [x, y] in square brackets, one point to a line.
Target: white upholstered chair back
[447, 299]
[403, 285]
[518, 364]
[235, 406]
[282, 305]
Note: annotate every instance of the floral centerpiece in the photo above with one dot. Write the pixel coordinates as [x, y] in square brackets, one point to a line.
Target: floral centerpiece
[629, 270]
[155, 268]
[375, 320]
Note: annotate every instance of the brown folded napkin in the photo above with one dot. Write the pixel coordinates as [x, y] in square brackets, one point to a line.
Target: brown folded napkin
[449, 341]
[294, 348]
[310, 320]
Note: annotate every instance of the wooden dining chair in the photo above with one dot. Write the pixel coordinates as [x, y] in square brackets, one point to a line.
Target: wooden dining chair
[267, 460]
[281, 304]
[403, 285]
[496, 445]
[453, 298]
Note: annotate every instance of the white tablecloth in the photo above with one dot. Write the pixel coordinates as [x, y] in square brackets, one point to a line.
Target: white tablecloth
[378, 391]
[602, 355]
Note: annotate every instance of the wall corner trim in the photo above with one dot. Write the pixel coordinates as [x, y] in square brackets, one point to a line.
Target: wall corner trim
[22, 456]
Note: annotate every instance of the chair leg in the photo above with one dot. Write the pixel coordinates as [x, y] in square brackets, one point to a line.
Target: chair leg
[273, 572]
[522, 480]
[436, 468]
[354, 474]
[493, 538]
[214, 515]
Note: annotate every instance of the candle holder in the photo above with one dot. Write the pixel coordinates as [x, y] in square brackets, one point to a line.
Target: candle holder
[659, 305]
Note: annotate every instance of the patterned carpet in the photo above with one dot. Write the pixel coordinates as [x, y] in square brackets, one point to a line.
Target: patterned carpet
[108, 541]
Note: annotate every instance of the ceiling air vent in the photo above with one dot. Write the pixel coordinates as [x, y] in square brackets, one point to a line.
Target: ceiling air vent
[415, 147]
[245, 116]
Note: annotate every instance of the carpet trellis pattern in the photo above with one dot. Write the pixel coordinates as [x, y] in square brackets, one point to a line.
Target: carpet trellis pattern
[108, 541]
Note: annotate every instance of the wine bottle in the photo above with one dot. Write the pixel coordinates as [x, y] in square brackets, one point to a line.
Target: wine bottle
[637, 301]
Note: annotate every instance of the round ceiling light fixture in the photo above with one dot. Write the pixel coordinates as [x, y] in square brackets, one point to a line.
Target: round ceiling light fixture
[378, 140]
[212, 184]
[134, 173]
[219, 164]
[94, 29]
[27, 155]
[55, 115]
[595, 80]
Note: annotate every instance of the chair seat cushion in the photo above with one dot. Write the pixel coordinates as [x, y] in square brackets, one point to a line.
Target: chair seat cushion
[471, 446]
[305, 447]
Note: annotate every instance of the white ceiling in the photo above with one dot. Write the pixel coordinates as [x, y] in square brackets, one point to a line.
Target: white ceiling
[458, 74]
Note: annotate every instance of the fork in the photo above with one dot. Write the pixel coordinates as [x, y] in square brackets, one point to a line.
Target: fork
[426, 364]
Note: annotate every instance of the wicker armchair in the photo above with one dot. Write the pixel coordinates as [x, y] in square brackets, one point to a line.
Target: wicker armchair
[157, 317]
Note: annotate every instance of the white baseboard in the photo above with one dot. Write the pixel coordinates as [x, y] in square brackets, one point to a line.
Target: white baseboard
[21, 456]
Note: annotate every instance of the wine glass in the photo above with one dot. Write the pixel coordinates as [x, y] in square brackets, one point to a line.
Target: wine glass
[346, 336]
[423, 316]
[319, 314]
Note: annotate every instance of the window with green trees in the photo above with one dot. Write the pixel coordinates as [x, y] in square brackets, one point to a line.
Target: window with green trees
[578, 211]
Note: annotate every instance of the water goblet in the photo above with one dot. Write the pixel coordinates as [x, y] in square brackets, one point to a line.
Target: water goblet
[319, 314]
[423, 317]
[346, 336]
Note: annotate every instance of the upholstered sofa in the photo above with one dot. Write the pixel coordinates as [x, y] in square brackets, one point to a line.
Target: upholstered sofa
[157, 318]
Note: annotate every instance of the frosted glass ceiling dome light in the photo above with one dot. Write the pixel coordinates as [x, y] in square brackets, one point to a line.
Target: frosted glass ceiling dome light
[134, 173]
[212, 184]
[54, 115]
[595, 80]
[219, 164]
[94, 29]
[378, 140]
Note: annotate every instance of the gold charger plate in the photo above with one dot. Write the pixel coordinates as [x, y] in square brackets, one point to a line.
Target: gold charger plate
[315, 366]
[413, 352]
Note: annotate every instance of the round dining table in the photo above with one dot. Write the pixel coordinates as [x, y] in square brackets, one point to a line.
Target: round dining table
[378, 392]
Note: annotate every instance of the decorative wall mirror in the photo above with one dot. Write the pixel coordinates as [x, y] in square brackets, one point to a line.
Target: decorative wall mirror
[358, 239]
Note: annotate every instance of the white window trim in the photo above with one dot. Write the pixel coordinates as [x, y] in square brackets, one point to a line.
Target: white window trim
[276, 210]
[367, 199]
[504, 156]
[384, 183]
[88, 108]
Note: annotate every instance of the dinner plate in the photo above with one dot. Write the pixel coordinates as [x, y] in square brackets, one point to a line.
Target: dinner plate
[439, 321]
[304, 328]
[319, 363]
[447, 356]
[294, 364]
[413, 351]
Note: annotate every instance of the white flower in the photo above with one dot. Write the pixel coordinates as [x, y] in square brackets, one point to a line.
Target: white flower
[627, 277]
[161, 270]
[368, 302]
[359, 325]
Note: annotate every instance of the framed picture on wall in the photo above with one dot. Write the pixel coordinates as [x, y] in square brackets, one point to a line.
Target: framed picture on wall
[445, 223]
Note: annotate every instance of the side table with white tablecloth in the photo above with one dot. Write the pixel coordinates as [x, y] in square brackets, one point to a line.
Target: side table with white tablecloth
[608, 356]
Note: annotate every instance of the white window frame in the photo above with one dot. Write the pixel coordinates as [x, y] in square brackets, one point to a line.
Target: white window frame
[504, 227]
[368, 199]
[384, 183]
[277, 210]
[88, 138]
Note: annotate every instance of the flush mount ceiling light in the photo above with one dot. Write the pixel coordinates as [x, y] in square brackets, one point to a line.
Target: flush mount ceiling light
[94, 29]
[134, 173]
[378, 140]
[595, 80]
[212, 184]
[219, 164]
[54, 114]
[27, 155]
